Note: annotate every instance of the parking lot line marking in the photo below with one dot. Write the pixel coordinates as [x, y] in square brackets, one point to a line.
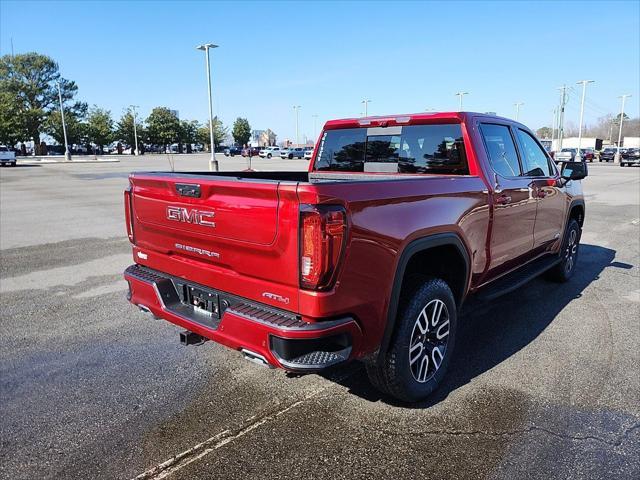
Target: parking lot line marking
[221, 439]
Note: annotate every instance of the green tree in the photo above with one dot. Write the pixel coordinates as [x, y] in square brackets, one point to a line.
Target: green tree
[189, 132]
[241, 131]
[29, 83]
[74, 121]
[124, 130]
[163, 126]
[99, 126]
[543, 132]
[219, 133]
[12, 126]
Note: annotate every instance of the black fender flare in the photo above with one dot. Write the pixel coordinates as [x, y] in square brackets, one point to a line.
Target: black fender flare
[416, 246]
[575, 203]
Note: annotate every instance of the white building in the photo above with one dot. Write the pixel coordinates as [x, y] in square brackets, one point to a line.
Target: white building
[631, 142]
[572, 142]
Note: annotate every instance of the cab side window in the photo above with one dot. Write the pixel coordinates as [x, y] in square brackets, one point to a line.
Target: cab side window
[534, 160]
[501, 150]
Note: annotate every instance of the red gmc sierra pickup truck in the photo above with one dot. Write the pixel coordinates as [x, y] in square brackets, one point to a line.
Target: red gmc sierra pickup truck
[369, 255]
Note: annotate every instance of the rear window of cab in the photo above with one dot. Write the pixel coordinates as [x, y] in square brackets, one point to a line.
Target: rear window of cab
[396, 149]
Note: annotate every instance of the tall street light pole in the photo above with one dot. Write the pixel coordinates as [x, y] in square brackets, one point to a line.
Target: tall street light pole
[297, 110]
[365, 103]
[584, 91]
[135, 130]
[460, 95]
[617, 157]
[213, 163]
[518, 105]
[67, 154]
[553, 127]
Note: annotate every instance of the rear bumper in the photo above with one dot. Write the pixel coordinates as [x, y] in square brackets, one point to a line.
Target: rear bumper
[283, 339]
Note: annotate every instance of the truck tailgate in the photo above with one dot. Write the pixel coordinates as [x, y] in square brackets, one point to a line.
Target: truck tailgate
[235, 235]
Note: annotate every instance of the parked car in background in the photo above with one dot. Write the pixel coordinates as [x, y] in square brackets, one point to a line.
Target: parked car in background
[250, 151]
[631, 156]
[232, 151]
[607, 155]
[565, 155]
[7, 156]
[293, 152]
[269, 152]
[308, 153]
[587, 154]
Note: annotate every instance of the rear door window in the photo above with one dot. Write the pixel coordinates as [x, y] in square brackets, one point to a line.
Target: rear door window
[534, 160]
[501, 149]
[398, 149]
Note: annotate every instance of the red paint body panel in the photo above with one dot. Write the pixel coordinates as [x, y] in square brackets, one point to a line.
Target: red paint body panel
[253, 248]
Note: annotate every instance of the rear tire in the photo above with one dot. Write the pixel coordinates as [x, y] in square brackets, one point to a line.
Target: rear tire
[563, 271]
[422, 344]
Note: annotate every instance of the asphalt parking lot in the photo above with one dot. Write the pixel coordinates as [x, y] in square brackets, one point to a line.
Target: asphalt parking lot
[544, 384]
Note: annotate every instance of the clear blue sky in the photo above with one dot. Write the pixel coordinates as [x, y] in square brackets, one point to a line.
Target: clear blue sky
[327, 57]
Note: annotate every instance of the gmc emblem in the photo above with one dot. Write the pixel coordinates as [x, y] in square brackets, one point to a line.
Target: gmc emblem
[198, 217]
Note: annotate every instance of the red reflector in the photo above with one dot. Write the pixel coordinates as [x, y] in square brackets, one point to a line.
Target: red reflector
[322, 236]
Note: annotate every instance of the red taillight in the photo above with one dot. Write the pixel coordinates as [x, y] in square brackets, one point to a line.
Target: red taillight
[128, 213]
[323, 230]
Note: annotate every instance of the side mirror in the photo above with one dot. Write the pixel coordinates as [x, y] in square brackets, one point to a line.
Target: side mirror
[574, 170]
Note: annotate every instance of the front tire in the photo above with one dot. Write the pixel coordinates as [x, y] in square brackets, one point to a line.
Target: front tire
[422, 344]
[269, 155]
[563, 271]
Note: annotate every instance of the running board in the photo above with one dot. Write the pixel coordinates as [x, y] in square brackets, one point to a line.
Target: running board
[514, 280]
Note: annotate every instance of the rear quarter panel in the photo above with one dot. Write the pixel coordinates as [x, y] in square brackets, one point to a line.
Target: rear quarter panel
[384, 217]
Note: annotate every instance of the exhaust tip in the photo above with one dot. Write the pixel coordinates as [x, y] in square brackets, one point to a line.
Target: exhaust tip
[255, 358]
[190, 338]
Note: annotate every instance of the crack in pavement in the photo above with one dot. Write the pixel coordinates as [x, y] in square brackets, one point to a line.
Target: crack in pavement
[219, 440]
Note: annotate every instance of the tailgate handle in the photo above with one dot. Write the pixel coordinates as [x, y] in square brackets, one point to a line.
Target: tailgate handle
[188, 189]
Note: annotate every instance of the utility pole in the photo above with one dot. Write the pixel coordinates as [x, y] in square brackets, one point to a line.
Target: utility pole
[553, 127]
[584, 91]
[365, 103]
[315, 132]
[135, 131]
[610, 130]
[67, 154]
[563, 103]
[460, 95]
[616, 159]
[297, 110]
[518, 105]
[213, 163]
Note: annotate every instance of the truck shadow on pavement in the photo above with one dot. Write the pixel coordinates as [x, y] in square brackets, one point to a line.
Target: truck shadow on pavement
[490, 333]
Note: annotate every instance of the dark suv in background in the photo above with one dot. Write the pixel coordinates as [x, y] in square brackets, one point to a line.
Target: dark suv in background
[607, 155]
[232, 151]
[630, 156]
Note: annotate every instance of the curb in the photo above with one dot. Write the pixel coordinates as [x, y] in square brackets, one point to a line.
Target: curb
[64, 162]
